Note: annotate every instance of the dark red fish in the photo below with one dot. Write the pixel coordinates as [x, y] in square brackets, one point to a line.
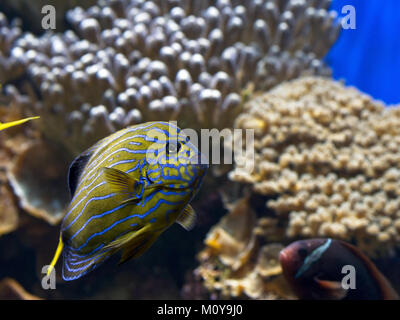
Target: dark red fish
[327, 269]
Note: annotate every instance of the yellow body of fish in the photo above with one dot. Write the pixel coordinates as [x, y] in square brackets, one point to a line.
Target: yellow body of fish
[127, 189]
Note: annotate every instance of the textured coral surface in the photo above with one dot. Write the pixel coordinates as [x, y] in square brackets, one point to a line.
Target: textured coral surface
[327, 162]
[237, 262]
[126, 62]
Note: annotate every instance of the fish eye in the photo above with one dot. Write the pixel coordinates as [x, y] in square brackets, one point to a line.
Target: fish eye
[172, 147]
[302, 252]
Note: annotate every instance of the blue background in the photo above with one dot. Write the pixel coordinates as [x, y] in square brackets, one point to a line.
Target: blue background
[369, 56]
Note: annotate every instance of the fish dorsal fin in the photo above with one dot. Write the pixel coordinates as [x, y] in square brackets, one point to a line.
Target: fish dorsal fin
[122, 183]
[388, 293]
[75, 170]
[187, 218]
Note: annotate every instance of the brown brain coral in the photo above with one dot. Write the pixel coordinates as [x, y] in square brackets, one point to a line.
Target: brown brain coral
[327, 163]
[131, 61]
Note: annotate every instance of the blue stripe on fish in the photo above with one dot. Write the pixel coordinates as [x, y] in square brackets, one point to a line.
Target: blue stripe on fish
[127, 185]
[312, 257]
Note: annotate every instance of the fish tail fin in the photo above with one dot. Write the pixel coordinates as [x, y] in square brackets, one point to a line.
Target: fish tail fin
[56, 256]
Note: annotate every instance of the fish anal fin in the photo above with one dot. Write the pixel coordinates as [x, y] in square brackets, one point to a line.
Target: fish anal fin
[131, 238]
[334, 289]
[187, 218]
[135, 243]
[136, 249]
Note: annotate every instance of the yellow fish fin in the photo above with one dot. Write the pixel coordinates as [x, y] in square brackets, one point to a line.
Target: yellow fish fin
[15, 123]
[56, 256]
[127, 238]
[187, 218]
[134, 243]
[135, 249]
[121, 182]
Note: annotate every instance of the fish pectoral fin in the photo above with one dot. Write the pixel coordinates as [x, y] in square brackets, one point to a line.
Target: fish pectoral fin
[187, 218]
[136, 248]
[334, 289]
[131, 237]
[121, 182]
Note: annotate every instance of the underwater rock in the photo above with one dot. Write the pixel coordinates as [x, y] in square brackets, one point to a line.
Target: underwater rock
[8, 211]
[127, 62]
[11, 141]
[237, 263]
[12, 290]
[38, 186]
[30, 174]
[232, 239]
[327, 164]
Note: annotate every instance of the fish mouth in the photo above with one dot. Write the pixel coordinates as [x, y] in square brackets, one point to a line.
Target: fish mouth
[284, 256]
[289, 260]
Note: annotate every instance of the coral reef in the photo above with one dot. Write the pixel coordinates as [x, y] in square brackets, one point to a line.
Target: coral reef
[30, 12]
[327, 164]
[24, 181]
[8, 209]
[38, 187]
[237, 262]
[126, 62]
[10, 141]
[10, 65]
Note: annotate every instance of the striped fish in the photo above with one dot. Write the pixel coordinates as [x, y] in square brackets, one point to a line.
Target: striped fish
[126, 190]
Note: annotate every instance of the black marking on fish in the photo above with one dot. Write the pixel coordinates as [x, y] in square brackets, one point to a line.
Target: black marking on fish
[75, 171]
